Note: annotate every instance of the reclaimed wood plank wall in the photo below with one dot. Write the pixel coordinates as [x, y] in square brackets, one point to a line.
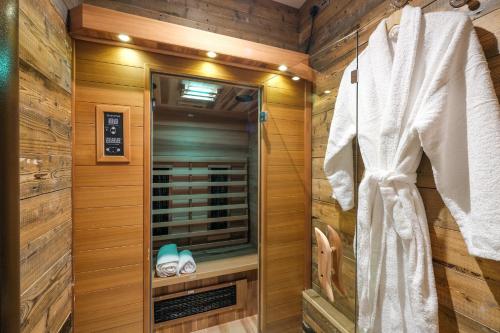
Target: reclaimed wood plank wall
[468, 287]
[261, 21]
[45, 60]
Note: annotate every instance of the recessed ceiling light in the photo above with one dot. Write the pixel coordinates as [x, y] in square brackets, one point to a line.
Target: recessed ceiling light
[283, 68]
[124, 38]
[211, 54]
[327, 91]
[295, 78]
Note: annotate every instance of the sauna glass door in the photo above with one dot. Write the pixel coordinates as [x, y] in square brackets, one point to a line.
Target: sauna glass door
[205, 199]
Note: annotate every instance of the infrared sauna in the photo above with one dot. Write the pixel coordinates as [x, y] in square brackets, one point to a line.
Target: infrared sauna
[204, 200]
[211, 160]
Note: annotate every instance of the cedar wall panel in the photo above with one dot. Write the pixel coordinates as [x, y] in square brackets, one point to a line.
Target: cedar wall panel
[468, 287]
[45, 56]
[261, 21]
[283, 205]
[108, 208]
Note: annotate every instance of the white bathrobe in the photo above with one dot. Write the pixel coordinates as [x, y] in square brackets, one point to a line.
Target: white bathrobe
[424, 88]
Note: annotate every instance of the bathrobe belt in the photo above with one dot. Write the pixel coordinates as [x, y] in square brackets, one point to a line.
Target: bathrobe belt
[399, 212]
[395, 190]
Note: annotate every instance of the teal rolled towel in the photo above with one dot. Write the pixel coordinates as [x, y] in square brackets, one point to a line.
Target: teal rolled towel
[167, 260]
[186, 262]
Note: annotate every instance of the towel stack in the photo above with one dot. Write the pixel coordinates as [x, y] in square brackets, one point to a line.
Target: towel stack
[170, 262]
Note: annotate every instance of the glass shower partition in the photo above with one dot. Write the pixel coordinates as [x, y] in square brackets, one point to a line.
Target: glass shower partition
[327, 310]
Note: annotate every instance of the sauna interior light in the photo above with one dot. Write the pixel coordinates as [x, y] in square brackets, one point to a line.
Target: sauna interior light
[211, 54]
[200, 91]
[124, 38]
[327, 91]
[295, 78]
[283, 68]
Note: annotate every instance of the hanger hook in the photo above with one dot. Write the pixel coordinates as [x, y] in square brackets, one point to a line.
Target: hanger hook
[399, 3]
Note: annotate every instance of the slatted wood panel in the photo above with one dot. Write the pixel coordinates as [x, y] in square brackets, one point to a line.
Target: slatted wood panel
[188, 214]
[188, 153]
[45, 57]
[468, 287]
[283, 206]
[261, 21]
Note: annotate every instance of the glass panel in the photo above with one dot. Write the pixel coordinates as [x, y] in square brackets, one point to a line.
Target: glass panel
[334, 225]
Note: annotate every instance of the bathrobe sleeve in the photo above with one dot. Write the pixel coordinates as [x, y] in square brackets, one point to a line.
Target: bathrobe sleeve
[460, 133]
[338, 164]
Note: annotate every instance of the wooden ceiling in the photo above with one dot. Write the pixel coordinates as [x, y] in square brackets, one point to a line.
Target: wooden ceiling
[168, 89]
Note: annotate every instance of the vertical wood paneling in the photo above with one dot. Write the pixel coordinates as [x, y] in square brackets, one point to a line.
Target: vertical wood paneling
[45, 57]
[467, 287]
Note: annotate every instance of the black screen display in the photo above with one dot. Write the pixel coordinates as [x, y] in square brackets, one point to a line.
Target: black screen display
[113, 134]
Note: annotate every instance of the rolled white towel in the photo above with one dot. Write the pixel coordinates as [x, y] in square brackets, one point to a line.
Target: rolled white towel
[167, 261]
[186, 262]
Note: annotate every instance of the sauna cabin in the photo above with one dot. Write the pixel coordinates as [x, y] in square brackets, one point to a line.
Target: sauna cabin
[163, 166]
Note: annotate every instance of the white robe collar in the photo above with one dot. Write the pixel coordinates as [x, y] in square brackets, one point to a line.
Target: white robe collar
[393, 72]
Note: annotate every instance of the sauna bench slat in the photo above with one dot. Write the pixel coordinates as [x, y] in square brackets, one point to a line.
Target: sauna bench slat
[212, 268]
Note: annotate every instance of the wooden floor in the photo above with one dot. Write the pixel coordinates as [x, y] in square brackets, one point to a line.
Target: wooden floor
[245, 325]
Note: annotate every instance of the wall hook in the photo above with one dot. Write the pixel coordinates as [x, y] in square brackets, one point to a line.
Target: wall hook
[458, 3]
[399, 3]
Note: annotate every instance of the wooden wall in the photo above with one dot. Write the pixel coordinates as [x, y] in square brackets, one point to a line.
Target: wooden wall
[108, 198]
[261, 21]
[45, 60]
[108, 255]
[204, 135]
[468, 288]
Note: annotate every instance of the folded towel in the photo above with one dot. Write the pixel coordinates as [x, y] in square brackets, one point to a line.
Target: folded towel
[167, 260]
[186, 262]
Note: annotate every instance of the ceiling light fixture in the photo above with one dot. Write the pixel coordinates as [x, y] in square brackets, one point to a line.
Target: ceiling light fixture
[211, 54]
[283, 68]
[295, 78]
[124, 38]
[327, 91]
[199, 91]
